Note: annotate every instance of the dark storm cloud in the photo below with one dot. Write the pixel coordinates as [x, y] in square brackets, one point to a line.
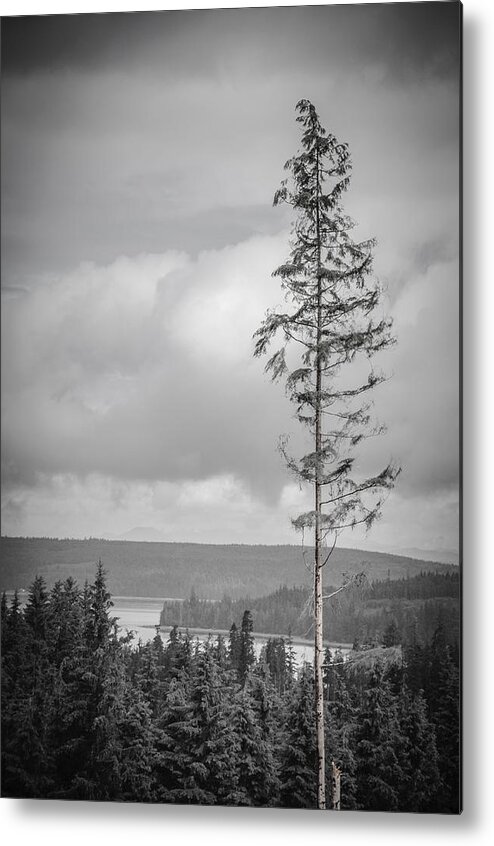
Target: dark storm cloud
[55, 42]
[111, 122]
[407, 38]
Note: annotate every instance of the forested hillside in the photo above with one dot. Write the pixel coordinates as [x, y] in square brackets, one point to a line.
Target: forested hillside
[86, 715]
[173, 569]
[357, 615]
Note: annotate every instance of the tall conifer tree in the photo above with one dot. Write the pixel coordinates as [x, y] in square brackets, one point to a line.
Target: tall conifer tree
[331, 297]
[246, 646]
[298, 755]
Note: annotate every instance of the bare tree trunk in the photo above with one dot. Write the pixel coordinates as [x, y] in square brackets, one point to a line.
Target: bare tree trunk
[318, 674]
[335, 787]
[318, 602]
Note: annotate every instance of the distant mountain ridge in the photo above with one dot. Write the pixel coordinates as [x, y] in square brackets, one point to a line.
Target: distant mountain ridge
[151, 534]
[442, 556]
[143, 568]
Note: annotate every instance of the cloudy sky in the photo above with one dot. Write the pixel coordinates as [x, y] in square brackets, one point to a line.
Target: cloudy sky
[140, 154]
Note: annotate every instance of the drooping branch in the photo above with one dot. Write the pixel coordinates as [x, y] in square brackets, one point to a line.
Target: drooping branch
[332, 294]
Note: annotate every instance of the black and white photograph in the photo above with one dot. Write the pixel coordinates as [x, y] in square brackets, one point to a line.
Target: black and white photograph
[231, 552]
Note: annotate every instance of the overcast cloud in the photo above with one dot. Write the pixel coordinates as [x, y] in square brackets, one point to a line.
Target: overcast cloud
[140, 154]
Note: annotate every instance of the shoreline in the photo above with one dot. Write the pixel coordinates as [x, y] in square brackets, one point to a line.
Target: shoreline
[296, 641]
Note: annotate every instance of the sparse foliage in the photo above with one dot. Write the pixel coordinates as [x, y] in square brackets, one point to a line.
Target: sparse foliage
[332, 318]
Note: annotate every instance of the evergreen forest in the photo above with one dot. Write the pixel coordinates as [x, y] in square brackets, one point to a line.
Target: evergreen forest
[173, 569]
[87, 714]
[356, 616]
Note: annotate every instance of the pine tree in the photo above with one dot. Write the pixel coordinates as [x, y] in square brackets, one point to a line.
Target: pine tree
[298, 773]
[278, 662]
[246, 654]
[178, 653]
[234, 647]
[27, 697]
[99, 625]
[216, 746]
[291, 659]
[82, 701]
[341, 720]
[120, 762]
[14, 656]
[14, 646]
[198, 758]
[378, 744]
[258, 783]
[220, 652]
[65, 620]
[148, 675]
[332, 296]
[36, 612]
[443, 697]
[419, 757]
[269, 706]
[175, 734]
[136, 747]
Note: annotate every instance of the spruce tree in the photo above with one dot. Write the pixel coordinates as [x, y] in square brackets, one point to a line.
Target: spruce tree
[175, 736]
[14, 646]
[278, 662]
[246, 646]
[136, 747]
[378, 744]
[27, 697]
[99, 625]
[269, 706]
[443, 697]
[419, 757]
[258, 782]
[216, 745]
[148, 676]
[298, 758]
[220, 651]
[341, 720]
[120, 761]
[234, 647]
[65, 620]
[82, 727]
[291, 660]
[198, 756]
[36, 612]
[332, 298]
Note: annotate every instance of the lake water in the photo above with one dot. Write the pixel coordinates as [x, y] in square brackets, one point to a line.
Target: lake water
[141, 615]
[138, 614]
